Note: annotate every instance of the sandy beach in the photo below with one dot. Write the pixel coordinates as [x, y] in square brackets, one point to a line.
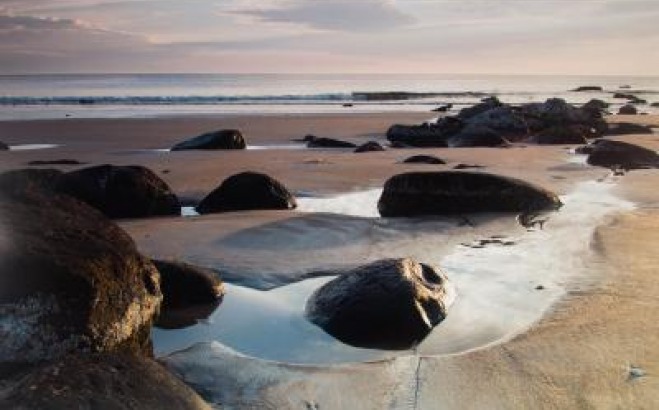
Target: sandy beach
[593, 348]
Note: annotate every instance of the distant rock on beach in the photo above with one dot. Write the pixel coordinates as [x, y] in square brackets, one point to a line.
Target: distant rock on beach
[424, 159]
[627, 109]
[3, 146]
[388, 304]
[322, 142]
[458, 192]
[247, 191]
[216, 140]
[618, 154]
[588, 88]
[626, 128]
[370, 146]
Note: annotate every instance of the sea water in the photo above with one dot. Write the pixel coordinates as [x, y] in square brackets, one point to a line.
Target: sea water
[148, 95]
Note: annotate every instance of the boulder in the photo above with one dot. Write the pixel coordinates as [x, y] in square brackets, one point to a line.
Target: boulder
[22, 181]
[189, 293]
[99, 381]
[3, 146]
[369, 147]
[388, 304]
[626, 128]
[588, 88]
[329, 143]
[557, 112]
[503, 119]
[477, 136]
[627, 109]
[425, 135]
[222, 139]
[617, 154]
[121, 191]
[566, 134]
[630, 97]
[247, 191]
[424, 159]
[595, 108]
[70, 281]
[486, 104]
[458, 192]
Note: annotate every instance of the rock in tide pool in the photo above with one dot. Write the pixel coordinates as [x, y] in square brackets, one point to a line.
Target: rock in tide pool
[458, 192]
[617, 154]
[247, 191]
[388, 304]
[190, 293]
[121, 191]
[567, 134]
[70, 281]
[99, 381]
[370, 146]
[216, 140]
[321, 142]
[424, 159]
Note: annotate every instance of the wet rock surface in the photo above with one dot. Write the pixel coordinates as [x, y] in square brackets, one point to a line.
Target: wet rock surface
[216, 140]
[451, 192]
[573, 134]
[246, 191]
[618, 154]
[121, 191]
[388, 304]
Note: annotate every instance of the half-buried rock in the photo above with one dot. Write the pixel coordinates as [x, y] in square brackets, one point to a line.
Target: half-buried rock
[121, 191]
[424, 159]
[70, 281]
[388, 304]
[247, 191]
[617, 154]
[371, 146]
[222, 139]
[190, 293]
[322, 142]
[457, 192]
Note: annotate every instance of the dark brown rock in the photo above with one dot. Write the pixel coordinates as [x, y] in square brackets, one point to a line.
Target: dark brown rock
[70, 281]
[388, 304]
[189, 293]
[477, 136]
[22, 181]
[486, 104]
[370, 146]
[216, 140]
[99, 381]
[425, 135]
[424, 159]
[617, 154]
[321, 142]
[588, 88]
[627, 109]
[121, 191]
[452, 192]
[246, 191]
[56, 162]
[570, 134]
[626, 128]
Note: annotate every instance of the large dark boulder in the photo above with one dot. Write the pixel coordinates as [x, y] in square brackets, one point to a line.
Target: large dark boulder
[424, 159]
[3, 146]
[222, 139]
[99, 381]
[477, 136]
[626, 128]
[388, 304]
[456, 192]
[246, 191]
[322, 142]
[503, 119]
[425, 135]
[370, 146]
[121, 191]
[70, 281]
[485, 105]
[189, 293]
[617, 154]
[627, 109]
[22, 181]
[566, 134]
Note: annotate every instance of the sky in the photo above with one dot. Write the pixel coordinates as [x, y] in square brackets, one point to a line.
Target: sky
[330, 36]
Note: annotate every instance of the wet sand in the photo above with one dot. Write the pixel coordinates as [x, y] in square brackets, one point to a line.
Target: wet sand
[580, 355]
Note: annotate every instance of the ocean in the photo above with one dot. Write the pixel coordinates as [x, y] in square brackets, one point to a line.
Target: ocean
[147, 95]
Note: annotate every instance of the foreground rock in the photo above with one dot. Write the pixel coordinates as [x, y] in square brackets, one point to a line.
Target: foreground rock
[24, 181]
[626, 128]
[321, 142]
[121, 191]
[222, 139]
[71, 281]
[190, 293]
[424, 159]
[621, 155]
[451, 192]
[370, 146]
[388, 304]
[247, 191]
[99, 381]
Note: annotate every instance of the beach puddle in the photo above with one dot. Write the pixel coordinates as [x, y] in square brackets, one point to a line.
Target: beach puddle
[30, 147]
[189, 211]
[504, 284]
